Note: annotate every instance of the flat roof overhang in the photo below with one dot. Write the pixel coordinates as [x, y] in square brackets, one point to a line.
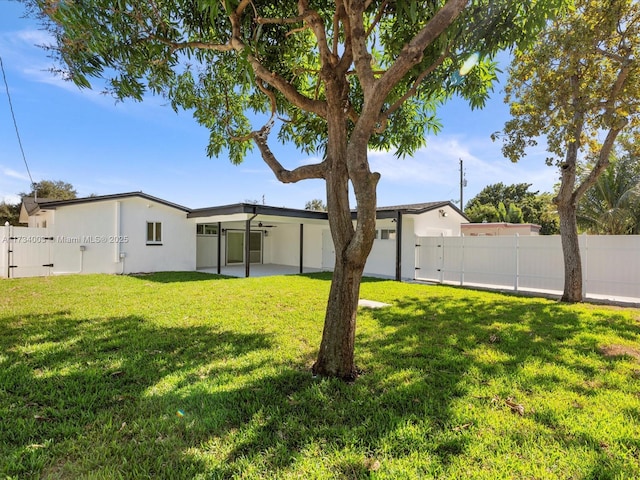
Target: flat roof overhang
[247, 211]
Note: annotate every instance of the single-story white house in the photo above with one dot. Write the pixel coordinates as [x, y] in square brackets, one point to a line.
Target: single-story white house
[136, 232]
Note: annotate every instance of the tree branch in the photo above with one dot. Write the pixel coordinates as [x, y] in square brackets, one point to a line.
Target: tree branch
[613, 56]
[347, 56]
[620, 82]
[289, 91]
[603, 159]
[316, 170]
[336, 30]
[384, 117]
[412, 53]
[242, 5]
[279, 21]
[175, 46]
[361, 56]
[313, 19]
[376, 92]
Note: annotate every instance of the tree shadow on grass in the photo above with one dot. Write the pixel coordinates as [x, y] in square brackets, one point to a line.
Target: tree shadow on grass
[179, 277]
[328, 276]
[408, 401]
[460, 342]
[409, 391]
[80, 395]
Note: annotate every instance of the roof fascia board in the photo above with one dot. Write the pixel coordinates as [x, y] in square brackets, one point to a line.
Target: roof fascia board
[118, 196]
[251, 209]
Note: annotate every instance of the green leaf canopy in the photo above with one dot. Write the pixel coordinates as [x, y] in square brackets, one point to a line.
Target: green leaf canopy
[235, 63]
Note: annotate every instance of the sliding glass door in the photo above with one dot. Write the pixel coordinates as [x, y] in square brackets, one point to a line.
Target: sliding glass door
[235, 247]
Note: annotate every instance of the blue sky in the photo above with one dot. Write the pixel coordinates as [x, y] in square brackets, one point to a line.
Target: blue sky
[86, 139]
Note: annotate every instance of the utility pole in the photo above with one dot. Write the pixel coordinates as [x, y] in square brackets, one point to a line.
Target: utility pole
[463, 183]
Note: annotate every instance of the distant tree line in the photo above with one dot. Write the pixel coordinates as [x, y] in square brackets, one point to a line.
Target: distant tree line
[316, 204]
[610, 207]
[514, 204]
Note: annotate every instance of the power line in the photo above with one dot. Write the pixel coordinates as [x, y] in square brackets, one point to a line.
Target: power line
[15, 124]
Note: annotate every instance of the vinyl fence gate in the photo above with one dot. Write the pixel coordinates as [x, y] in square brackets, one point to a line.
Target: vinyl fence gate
[25, 252]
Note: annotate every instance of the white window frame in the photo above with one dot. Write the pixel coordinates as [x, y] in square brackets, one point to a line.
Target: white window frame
[156, 233]
[204, 229]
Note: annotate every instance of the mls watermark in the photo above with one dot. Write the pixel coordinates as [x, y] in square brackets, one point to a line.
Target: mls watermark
[87, 239]
[80, 240]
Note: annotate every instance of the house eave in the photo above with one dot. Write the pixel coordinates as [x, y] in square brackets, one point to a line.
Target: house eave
[412, 209]
[53, 204]
[251, 209]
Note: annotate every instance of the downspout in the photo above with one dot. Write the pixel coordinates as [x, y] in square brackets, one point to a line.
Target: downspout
[247, 238]
[399, 246]
[118, 230]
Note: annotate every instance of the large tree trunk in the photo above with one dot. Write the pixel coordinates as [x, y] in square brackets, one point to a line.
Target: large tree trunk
[567, 203]
[352, 246]
[347, 160]
[336, 356]
[571, 253]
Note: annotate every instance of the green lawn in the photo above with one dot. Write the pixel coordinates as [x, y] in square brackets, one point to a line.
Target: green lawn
[194, 376]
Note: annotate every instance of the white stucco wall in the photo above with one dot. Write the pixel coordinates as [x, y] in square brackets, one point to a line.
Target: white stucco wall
[282, 245]
[434, 224]
[109, 236]
[178, 249]
[382, 259]
[313, 245]
[79, 231]
[207, 251]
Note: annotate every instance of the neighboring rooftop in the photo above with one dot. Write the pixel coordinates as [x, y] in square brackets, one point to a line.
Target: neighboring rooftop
[500, 228]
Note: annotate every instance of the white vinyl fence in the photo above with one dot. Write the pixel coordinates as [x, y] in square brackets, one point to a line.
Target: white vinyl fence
[25, 252]
[610, 264]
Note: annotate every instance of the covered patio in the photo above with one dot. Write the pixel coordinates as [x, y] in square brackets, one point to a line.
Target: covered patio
[243, 240]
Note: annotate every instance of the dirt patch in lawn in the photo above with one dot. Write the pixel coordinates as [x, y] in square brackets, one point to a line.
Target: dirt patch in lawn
[620, 350]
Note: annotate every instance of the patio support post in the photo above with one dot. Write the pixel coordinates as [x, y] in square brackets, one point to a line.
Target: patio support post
[399, 246]
[301, 246]
[247, 246]
[219, 247]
